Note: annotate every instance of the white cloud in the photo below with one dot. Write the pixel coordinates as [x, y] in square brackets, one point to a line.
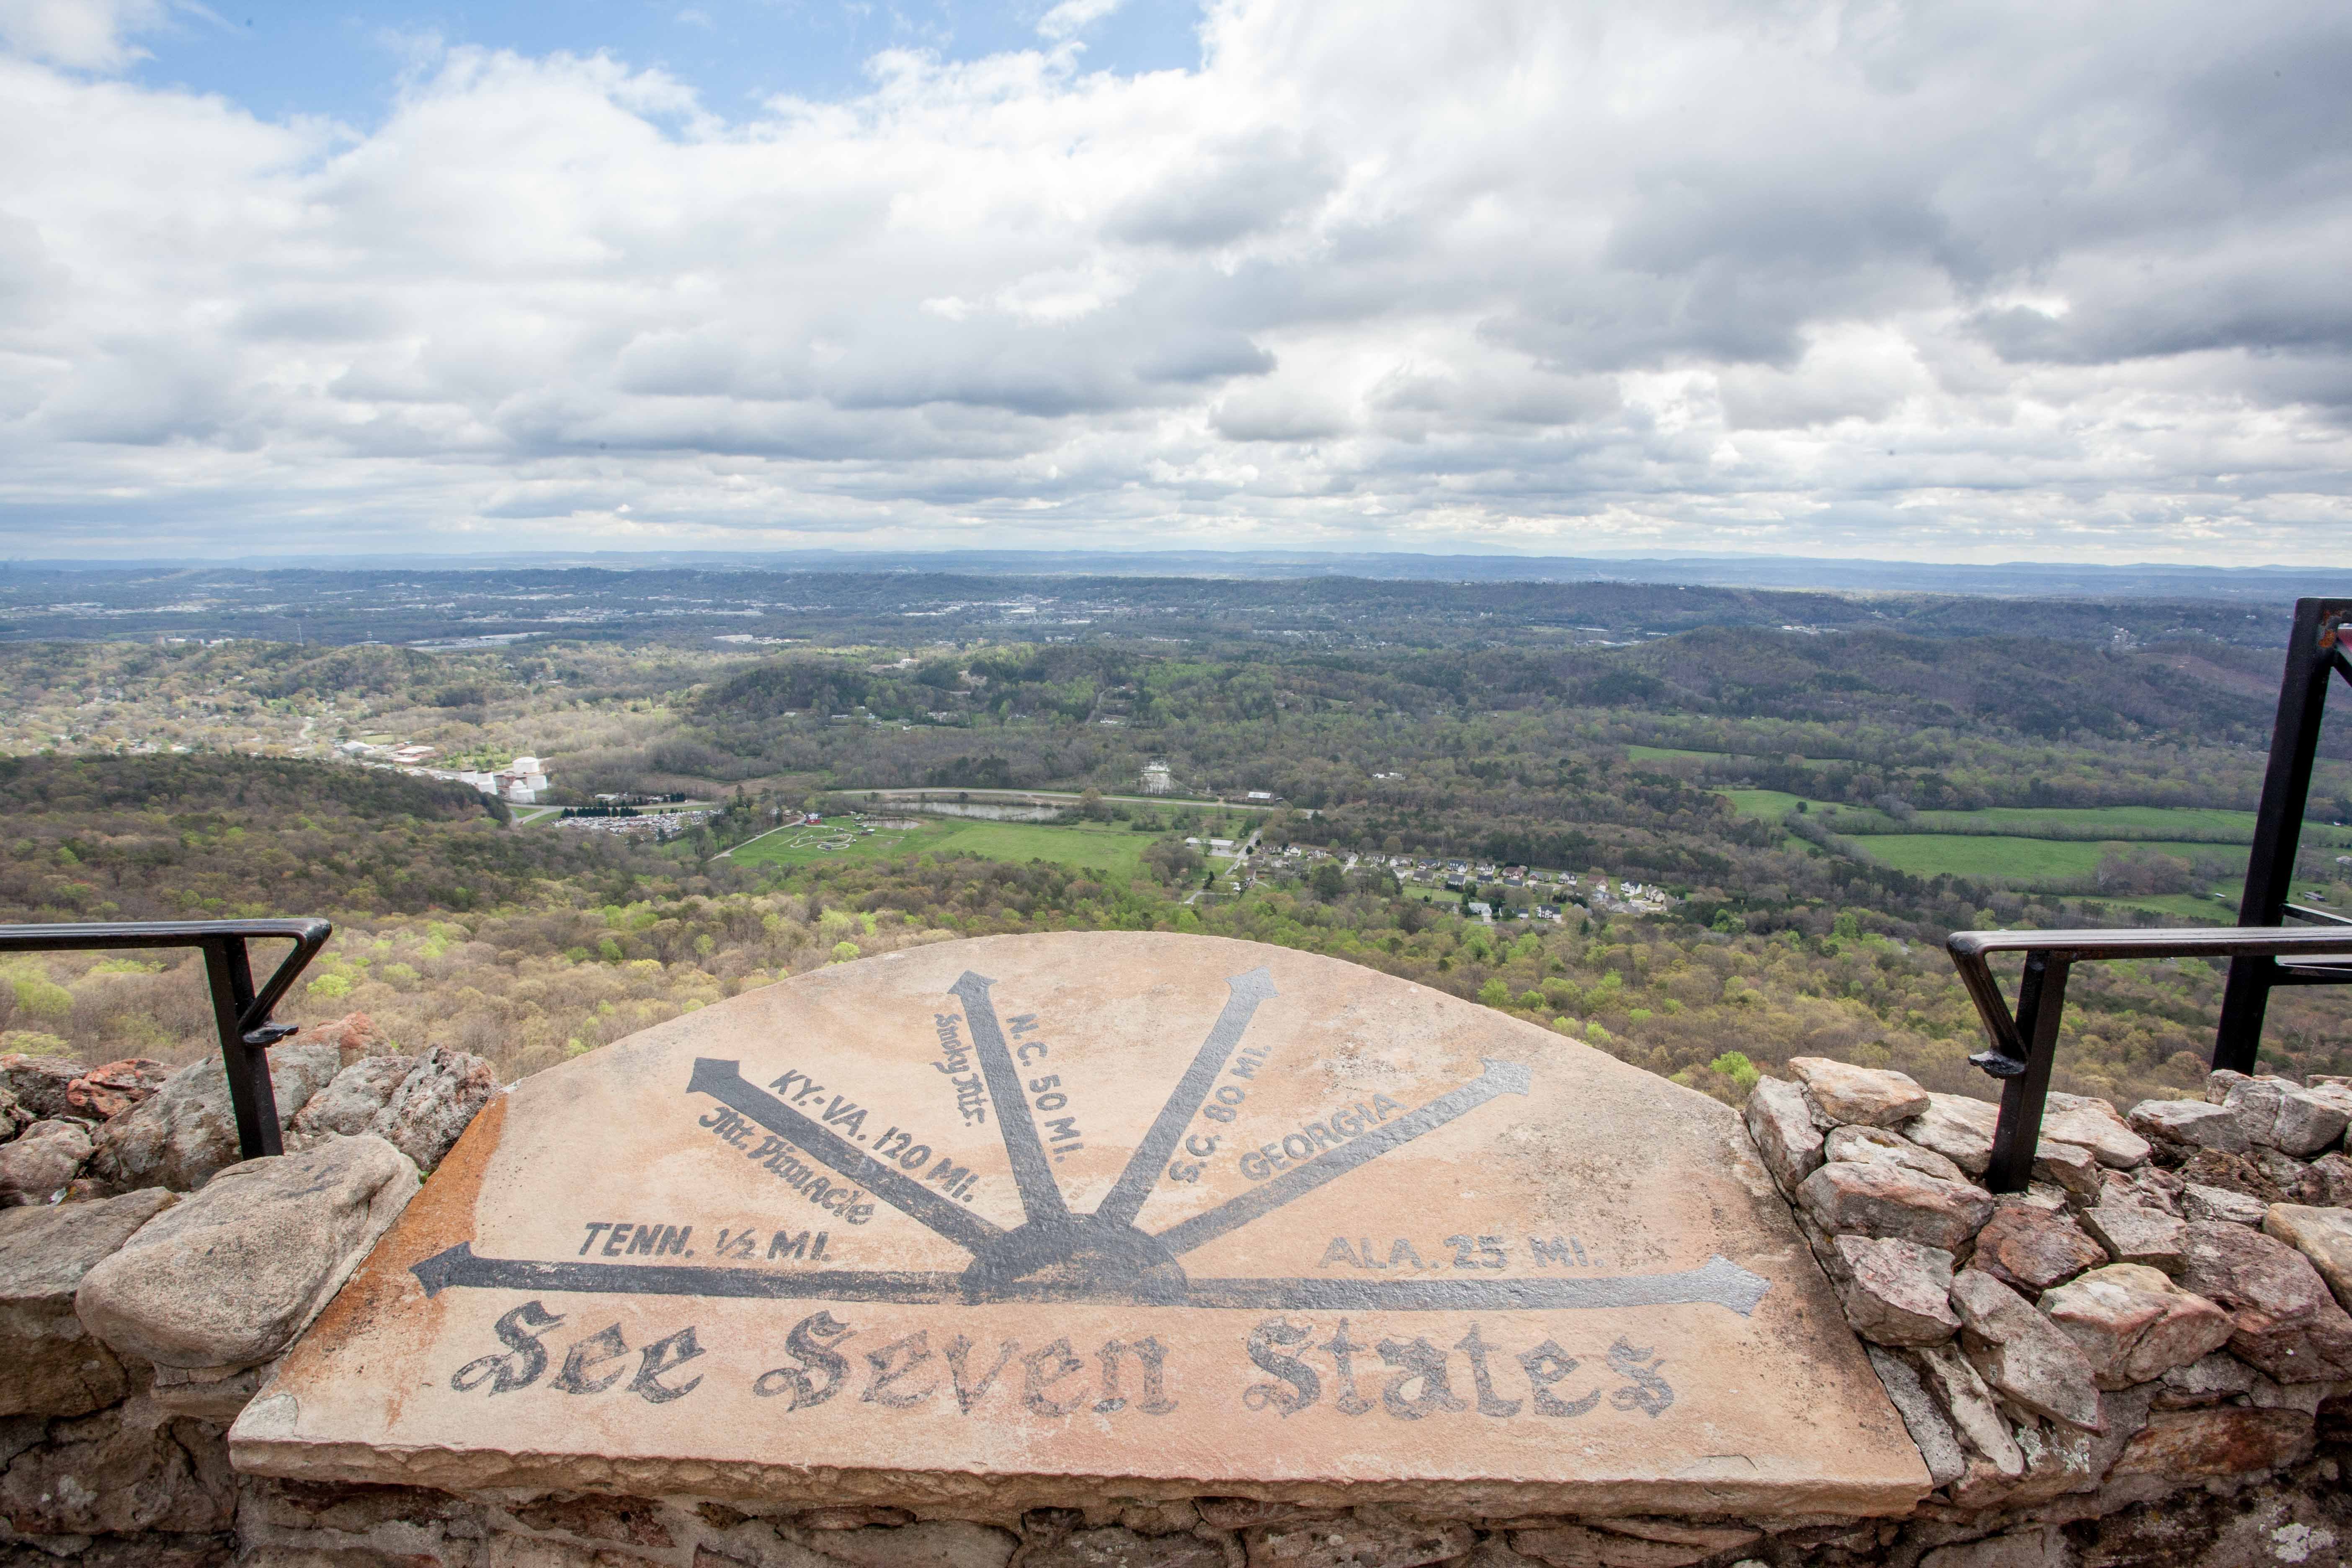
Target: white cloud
[1944, 281]
[85, 35]
[1073, 16]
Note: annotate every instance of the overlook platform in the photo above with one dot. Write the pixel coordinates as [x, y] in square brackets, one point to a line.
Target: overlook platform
[1056, 1219]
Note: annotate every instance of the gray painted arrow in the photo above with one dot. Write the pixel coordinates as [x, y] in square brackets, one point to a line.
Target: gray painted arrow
[1135, 1182]
[1041, 1195]
[1500, 1078]
[1718, 1283]
[725, 1083]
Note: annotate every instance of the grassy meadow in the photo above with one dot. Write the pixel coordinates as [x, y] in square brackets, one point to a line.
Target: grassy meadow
[1112, 851]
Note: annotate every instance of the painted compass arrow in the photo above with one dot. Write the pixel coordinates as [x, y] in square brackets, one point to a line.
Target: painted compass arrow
[1055, 1255]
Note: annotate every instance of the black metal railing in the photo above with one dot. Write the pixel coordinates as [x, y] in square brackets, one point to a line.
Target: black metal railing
[2025, 1044]
[240, 1012]
[2314, 653]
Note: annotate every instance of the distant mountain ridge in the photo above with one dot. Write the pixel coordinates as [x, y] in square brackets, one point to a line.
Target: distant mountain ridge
[2018, 579]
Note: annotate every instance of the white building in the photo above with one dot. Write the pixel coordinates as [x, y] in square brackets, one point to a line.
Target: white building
[521, 782]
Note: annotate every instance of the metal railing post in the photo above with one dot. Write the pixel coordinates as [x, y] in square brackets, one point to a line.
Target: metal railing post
[2040, 1003]
[2312, 658]
[229, 970]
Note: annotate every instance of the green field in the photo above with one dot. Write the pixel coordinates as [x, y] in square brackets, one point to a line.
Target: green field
[1769, 803]
[2046, 849]
[1113, 851]
[2028, 862]
[2179, 822]
[1664, 753]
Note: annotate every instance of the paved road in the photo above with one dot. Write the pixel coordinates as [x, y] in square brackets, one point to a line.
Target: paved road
[1054, 796]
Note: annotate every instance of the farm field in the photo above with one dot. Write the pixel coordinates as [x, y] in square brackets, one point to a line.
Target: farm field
[1769, 804]
[1114, 851]
[2027, 862]
[2043, 849]
[2182, 823]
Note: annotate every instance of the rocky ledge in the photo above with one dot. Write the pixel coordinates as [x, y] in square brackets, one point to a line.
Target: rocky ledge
[2144, 1358]
[2164, 1308]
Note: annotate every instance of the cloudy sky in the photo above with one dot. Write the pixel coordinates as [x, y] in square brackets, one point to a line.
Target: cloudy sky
[1943, 281]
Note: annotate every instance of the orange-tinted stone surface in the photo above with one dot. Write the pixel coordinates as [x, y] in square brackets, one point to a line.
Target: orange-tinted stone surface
[1026, 1220]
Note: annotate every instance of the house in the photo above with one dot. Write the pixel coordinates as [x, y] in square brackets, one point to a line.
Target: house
[1482, 910]
[1259, 795]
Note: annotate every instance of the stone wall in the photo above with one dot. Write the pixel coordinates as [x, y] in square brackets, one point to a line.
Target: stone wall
[2142, 1360]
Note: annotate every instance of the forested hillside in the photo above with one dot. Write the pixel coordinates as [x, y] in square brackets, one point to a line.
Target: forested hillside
[1815, 801]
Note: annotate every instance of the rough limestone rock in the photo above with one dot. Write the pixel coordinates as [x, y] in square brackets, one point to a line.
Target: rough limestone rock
[2328, 1182]
[1886, 1200]
[2208, 1381]
[1784, 1132]
[2151, 1186]
[2019, 1549]
[1113, 1546]
[1367, 1537]
[961, 1543]
[2132, 1234]
[1867, 1143]
[11, 1115]
[351, 1101]
[2192, 1444]
[434, 1103]
[1974, 1414]
[110, 1089]
[2095, 1125]
[2070, 1167]
[39, 1083]
[49, 1365]
[354, 1036]
[1957, 1128]
[228, 1277]
[2022, 1353]
[2216, 1205]
[2059, 1458]
[1940, 1444]
[39, 1164]
[2287, 1324]
[2247, 1174]
[2034, 1248]
[2134, 1324]
[1875, 1097]
[2222, 1081]
[1894, 1292]
[2277, 1114]
[110, 1473]
[2323, 1236]
[1587, 1546]
[2190, 1124]
[188, 1130]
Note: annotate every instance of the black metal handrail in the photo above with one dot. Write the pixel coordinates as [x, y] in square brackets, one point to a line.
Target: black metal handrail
[2314, 660]
[239, 1013]
[2025, 1045]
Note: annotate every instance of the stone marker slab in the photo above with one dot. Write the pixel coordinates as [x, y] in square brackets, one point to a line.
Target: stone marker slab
[1041, 1219]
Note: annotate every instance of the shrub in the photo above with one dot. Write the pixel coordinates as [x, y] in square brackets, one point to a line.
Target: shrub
[1735, 1066]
